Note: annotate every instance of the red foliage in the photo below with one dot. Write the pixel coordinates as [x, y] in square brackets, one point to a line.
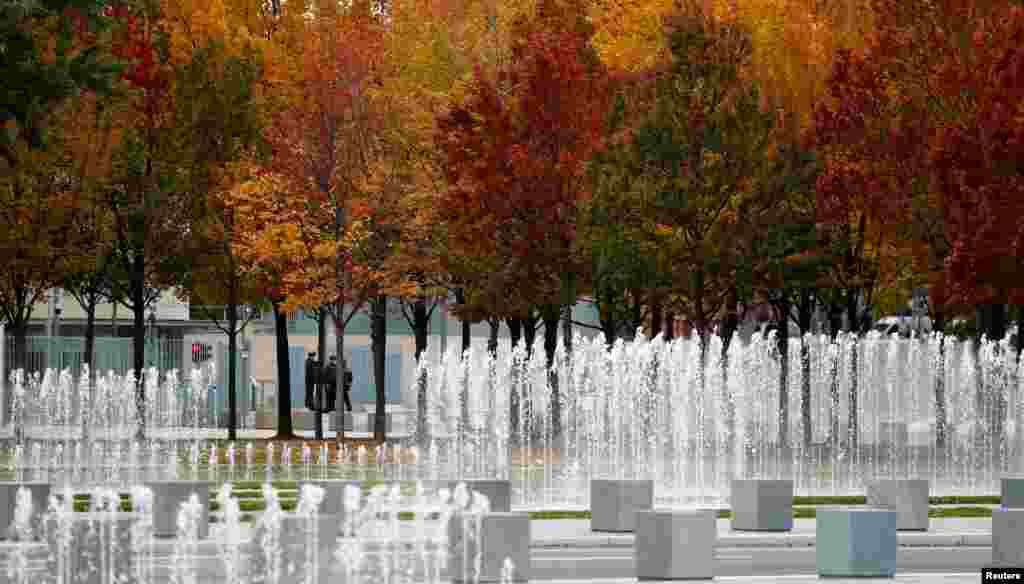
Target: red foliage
[915, 117]
[515, 153]
[976, 162]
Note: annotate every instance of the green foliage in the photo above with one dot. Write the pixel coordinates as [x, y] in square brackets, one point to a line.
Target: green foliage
[35, 82]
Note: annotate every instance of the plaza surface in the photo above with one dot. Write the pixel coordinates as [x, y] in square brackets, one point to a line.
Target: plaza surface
[954, 550]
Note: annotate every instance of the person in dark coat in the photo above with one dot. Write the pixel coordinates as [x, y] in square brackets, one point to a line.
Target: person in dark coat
[331, 382]
[311, 378]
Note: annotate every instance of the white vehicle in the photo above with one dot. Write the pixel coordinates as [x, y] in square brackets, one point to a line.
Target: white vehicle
[903, 325]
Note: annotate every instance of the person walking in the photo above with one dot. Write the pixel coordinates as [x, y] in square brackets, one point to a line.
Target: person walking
[331, 382]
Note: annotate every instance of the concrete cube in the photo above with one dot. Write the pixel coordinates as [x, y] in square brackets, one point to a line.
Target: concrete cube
[498, 492]
[500, 536]
[96, 549]
[614, 503]
[167, 499]
[9, 498]
[1008, 537]
[856, 542]
[893, 433]
[675, 545]
[1011, 491]
[762, 505]
[332, 422]
[334, 494]
[300, 538]
[907, 497]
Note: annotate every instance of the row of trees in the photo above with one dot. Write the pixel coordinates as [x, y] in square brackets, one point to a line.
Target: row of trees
[663, 159]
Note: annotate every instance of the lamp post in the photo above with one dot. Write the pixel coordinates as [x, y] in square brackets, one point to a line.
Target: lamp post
[152, 337]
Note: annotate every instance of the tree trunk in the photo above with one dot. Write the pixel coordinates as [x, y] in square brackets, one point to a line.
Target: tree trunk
[284, 377]
[90, 338]
[834, 366]
[529, 333]
[728, 333]
[992, 324]
[656, 316]
[233, 363]
[551, 317]
[852, 430]
[782, 345]
[19, 332]
[460, 297]
[835, 319]
[321, 333]
[420, 326]
[940, 397]
[139, 344]
[492, 337]
[515, 330]
[805, 313]
[567, 328]
[609, 327]
[379, 339]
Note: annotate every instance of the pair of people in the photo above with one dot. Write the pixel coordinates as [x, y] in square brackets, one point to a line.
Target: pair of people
[325, 379]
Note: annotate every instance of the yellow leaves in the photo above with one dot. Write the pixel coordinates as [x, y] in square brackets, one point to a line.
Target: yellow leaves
[629, 34]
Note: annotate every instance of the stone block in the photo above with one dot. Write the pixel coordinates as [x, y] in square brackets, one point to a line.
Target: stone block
[1011, 491]
[675, 545]
[96, 548]
[9, 497]
[907, 497]
[1008, 537]
[167, 499]
[856, 542]
[762, 505]
[500, 536]
[497, 491]
[614, 503]
[300, 539]
[894, 434]
[334, 494]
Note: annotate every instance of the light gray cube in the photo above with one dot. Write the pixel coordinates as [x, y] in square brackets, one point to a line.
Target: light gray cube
[1011, 492]
[893, 433]
[312, 538]
[498, 492]
[614, 503]
[675, 545]
[500, 536]
[856, 542]
[99, 546]
[364, 421]
[334, 494]
[1008, 537]
[907, 497]
[167, 499]
[9, 497]
[762, 505]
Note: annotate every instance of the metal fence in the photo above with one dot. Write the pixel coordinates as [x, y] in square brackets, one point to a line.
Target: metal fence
[115, 354]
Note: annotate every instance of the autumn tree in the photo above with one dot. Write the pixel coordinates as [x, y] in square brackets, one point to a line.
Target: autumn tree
[51, 52]
[972, 161]
[219, 115]
[36, 210]
[516, 152]
[88, 138]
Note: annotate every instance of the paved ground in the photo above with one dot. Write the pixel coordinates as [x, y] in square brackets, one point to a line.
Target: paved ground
[943, 532]
[954, 550]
